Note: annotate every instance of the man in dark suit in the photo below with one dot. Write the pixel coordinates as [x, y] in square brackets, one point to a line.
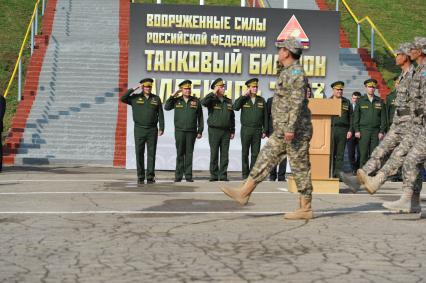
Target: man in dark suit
[2, 111]
[282, 166]
[353, 148]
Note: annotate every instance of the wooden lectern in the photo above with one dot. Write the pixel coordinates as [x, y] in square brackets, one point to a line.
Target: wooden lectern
[319, 152]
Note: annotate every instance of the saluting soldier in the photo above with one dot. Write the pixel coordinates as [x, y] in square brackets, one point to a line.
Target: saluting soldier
[221, 123]
[147, 113]
[189, 126]
[254, 124]
[369, 121]
[341, 127]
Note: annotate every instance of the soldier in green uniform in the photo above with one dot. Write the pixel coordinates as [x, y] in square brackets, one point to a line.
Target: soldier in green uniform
[221, 122]
[147, 113]
[189, 126]
[254, 124]
[369, 121]
[341, 127]
[390, 104]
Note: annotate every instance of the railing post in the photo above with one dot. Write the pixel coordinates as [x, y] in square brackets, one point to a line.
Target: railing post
[285, 4]
[243, 3]
[372, 42]
[158, 1]
[20, 79]
[358, 35]
[42, 7]
[32, 37]
[36, 19]
[202, 2]
[337, 5]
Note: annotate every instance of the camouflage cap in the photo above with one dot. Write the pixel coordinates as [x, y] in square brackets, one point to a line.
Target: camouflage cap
[420, 43]
[404, 48]
[292, 44]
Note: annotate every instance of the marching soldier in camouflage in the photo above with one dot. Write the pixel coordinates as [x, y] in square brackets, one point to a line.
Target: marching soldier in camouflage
[221, 122]
[369, 121]
[390, 104]
[400, 128]
[341, 127]
[147, 113]
[292, 132]
[189, 126]
[412, 179]
[254, 124]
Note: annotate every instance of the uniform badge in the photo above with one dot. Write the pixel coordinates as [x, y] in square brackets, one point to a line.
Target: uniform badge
[260, 104]
[246, 105]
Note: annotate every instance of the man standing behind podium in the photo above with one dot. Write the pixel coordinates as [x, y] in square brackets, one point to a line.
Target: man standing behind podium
[147, 113]
[189, 126]
[2, 112]
[221, 122]
[254, 124]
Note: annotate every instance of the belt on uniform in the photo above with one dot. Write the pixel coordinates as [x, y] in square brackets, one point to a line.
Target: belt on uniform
[403, 112]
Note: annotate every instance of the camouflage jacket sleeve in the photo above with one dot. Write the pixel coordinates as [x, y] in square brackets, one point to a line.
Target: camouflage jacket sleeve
[417, 93]
[293, 86]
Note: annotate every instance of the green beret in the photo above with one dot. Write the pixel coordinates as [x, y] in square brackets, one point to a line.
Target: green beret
[217, 82]
[252, 82]
[338, 85]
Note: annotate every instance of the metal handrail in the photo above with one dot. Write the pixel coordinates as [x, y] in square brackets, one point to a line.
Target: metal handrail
[374, 29]
[32, 27]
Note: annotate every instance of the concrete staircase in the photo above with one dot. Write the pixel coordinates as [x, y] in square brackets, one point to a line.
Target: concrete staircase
[74, 115]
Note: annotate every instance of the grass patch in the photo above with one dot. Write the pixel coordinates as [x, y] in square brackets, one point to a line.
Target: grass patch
[14, 19]
[399, 21]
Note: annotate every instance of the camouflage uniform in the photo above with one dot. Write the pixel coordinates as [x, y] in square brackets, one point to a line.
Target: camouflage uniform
[290, 114]
[416, 157]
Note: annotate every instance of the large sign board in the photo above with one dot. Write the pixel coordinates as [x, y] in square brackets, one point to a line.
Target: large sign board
[171, 43]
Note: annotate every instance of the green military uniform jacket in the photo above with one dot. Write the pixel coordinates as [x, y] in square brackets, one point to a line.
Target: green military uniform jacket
[253, 115]
[370, 115]
[221, 114]
[345, 120]
[147, 112]
[188, 115]
[390, 108]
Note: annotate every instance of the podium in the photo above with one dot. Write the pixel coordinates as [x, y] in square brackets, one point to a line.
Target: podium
[320, 149]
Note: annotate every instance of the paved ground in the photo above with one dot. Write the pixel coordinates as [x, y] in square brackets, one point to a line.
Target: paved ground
[95, 225]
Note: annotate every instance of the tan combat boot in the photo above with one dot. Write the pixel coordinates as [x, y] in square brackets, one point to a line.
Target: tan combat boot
[304, 212]
[242, 194]
[408, 203]
[372, 184]
[362, 175]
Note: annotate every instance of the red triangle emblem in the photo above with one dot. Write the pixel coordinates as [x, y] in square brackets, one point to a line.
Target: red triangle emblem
[294, 29]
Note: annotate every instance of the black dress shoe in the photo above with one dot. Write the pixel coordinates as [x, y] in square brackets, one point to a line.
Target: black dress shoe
[190, 180]
[140, 182]
[213, 180]
[178, 180]
[151, 181]
[282, 180]
[272, 178]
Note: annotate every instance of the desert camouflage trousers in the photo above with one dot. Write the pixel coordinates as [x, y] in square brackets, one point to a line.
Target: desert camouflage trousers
[380, 154]
[413, 164]
[274, 151]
